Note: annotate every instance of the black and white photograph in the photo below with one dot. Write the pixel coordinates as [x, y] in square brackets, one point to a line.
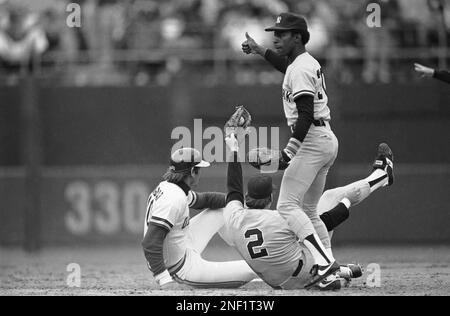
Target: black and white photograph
[224, 155]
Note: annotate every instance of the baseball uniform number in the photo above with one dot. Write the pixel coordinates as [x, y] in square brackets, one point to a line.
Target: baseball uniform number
[255, 243]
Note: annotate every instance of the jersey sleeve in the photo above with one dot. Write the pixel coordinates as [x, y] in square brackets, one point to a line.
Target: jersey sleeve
[231, 213]
[202, 200]
[303, 82]
[442, 75]
[191, 198]
[165, 213]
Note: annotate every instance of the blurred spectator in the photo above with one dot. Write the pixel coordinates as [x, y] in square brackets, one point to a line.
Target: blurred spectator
[320, 19]
[158, 41]
[22, 41]
[243, 18]
[376, 55]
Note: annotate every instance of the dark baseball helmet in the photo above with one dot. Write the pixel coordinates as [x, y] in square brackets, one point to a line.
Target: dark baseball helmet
[185, 159]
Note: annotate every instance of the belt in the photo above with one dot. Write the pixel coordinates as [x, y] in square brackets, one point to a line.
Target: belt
[299, 268]
[319, 122]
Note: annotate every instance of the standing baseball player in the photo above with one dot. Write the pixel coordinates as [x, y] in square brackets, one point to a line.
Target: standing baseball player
[313, 147]
[173, 243]
[270, 246]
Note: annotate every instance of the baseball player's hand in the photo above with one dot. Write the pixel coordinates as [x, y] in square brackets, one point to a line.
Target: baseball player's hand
[249, 46]
[284, 160]
[265, 157]
[424, 71]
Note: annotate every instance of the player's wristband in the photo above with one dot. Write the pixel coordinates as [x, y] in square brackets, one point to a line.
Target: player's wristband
[346, 202]
[292, 147]
[232, 142]
[163, 278]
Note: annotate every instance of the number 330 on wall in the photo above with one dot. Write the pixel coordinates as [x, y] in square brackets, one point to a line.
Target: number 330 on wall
[105, 208]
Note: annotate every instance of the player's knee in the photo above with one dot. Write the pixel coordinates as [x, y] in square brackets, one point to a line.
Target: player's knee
[287, 206]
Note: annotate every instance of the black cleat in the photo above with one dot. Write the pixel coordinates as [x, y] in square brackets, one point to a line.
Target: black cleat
[321, 272]
[350, 271]
[331, 283]
[385, 161]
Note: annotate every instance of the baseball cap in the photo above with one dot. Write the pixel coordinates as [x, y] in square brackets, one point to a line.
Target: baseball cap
[260, 187]
[289, 22]
[185, 159]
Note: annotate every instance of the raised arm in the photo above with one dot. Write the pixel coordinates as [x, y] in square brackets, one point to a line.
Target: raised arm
[235, 186]
[250, 46]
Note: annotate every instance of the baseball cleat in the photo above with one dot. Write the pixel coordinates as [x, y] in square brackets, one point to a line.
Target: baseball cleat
[331, 283]
[385, 161]
[321, 272]
[350, 271]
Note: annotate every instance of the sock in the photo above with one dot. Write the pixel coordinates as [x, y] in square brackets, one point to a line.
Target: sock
[335, 217]
[318, 251]
[378, 179]
[330, 253]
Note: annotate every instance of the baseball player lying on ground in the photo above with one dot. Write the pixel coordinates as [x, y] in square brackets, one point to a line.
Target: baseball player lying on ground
[173, 244]
[269, 245]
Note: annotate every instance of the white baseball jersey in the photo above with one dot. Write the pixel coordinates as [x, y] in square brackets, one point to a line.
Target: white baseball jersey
[265, 241]
[167, 207]
[304, 77]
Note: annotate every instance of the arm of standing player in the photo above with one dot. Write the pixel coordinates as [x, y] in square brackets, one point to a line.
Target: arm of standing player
[211, 200]
[305, 108]
[249, 46]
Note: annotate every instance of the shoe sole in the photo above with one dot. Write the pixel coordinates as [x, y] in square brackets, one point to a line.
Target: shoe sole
[336, 285]
[385, 151]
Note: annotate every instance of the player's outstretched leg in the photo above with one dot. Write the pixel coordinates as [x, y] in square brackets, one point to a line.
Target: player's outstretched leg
[356, 192]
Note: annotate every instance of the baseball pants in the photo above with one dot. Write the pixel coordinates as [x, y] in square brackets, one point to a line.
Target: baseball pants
[201, 273]
[304, 180]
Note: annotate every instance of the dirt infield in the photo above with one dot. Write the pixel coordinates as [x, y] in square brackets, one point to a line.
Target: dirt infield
[412, 270]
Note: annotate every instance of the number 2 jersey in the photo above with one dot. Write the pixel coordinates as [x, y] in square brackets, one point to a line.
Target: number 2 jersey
[264, 239]
[304, 77]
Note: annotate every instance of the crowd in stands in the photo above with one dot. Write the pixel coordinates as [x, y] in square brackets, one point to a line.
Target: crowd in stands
[157, 41]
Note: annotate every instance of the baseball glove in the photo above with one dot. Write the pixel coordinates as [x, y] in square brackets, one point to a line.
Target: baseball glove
[260, 157]
[241, 119]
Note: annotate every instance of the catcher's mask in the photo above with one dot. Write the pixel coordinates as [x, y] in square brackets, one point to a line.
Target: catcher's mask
[184, 159]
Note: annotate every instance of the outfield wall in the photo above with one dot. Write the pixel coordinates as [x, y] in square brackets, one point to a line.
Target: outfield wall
[107, 205]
